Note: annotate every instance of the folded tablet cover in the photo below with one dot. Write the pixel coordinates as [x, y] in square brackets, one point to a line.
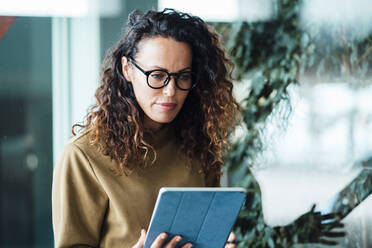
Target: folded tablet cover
[204, 218]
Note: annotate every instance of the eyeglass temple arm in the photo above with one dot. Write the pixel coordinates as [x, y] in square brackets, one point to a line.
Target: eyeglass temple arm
[137, 66]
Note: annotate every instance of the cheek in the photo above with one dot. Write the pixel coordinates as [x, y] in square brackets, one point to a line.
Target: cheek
[143, 97]
[141, 90]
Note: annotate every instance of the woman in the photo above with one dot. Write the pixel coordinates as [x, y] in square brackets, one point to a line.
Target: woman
[162, 114]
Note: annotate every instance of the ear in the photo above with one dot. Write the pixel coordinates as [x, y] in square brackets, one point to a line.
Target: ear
[125, 69]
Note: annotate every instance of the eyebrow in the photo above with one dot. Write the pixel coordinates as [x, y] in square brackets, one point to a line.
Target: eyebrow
[164, 69]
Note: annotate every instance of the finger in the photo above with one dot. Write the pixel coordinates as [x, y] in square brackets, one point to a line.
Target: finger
[339, 215]
[334, 234]
[329, 216]
[230, 246]
[317, 214]
[159, 240]
[141, 240]
[331, 221]
[332, 225]
[173, 242]
[232, 237]
[188, 245]
[327, 242]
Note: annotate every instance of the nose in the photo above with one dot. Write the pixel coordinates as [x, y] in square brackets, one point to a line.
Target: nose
[170, 88]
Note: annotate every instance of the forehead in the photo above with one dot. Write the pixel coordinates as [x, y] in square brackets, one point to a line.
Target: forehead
[164, 52]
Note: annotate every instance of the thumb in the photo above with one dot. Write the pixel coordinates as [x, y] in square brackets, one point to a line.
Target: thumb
[232, 237]
[313, 208]
[141, 240]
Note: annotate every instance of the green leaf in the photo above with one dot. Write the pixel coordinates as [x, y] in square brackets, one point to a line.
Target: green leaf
[258, 83]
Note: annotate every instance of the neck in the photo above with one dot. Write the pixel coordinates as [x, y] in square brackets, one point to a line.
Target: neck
[153, 125]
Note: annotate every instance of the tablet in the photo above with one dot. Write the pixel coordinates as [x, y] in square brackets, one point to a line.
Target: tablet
[203, 216]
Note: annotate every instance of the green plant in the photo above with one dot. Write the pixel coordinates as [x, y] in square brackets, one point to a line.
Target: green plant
[274, 54]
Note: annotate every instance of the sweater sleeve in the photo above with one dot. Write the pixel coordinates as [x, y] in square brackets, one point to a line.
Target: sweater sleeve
[78, 201]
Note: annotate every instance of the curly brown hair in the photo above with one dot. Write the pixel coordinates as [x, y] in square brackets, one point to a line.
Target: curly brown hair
[209, 113]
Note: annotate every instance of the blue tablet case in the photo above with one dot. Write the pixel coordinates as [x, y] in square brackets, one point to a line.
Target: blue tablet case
[203, 216]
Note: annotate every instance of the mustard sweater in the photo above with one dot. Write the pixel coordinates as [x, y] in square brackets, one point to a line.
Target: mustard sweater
[94, 208]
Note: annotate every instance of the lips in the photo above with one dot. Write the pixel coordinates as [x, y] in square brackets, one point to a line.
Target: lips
[167, 106]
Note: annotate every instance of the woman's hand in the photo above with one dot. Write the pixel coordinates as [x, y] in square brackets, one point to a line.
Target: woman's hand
[158, 242]
[314, 227]
[230, 241]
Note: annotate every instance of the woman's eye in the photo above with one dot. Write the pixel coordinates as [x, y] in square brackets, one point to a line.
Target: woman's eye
[185, 77]
[157, 75]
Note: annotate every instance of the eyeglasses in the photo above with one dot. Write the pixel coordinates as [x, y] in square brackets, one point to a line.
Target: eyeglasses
[158, 78]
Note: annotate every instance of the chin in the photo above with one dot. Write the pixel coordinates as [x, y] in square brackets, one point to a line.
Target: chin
[164, 120]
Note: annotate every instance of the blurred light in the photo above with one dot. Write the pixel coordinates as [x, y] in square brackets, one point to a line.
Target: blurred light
[255, 10]
[328, 130]
[208, 10]
[222, 10]
[346, 13]
[32, 161]
[67, 8]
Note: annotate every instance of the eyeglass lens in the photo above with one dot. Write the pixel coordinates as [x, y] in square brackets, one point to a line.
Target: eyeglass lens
[157, 79]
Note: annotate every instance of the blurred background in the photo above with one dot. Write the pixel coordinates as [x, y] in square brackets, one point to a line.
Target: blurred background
[50, 55]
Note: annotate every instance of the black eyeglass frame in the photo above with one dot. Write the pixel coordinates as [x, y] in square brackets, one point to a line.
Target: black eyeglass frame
[175, 74]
